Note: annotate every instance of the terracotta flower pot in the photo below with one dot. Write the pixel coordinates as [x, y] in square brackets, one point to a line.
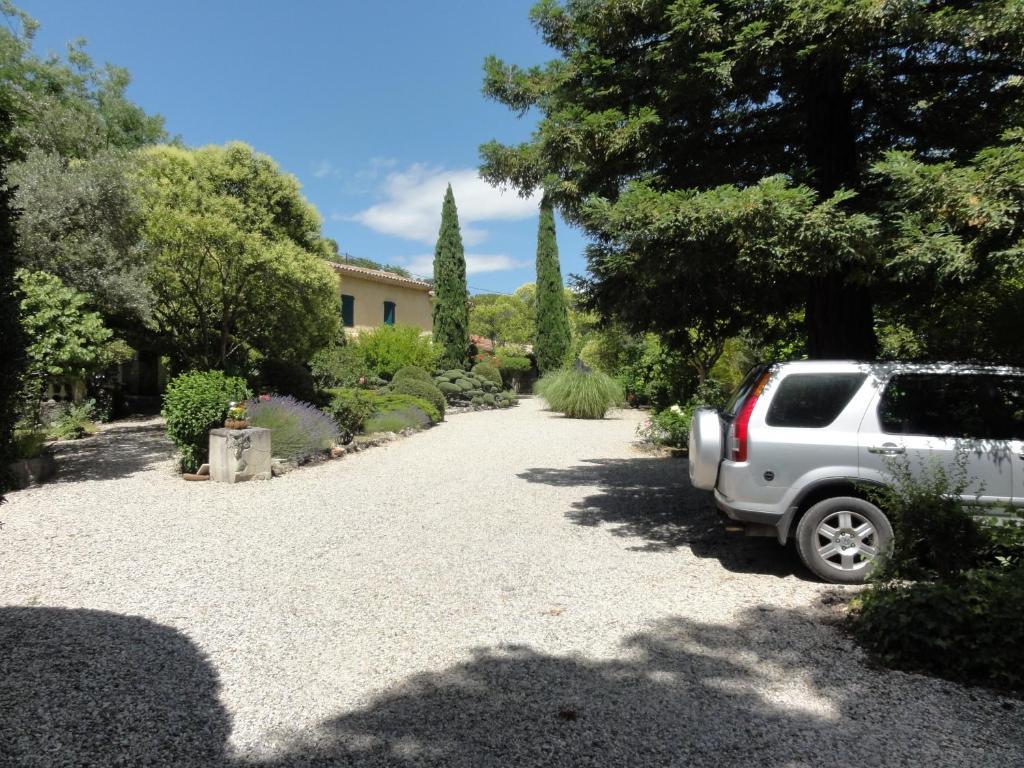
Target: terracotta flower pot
[236, 424]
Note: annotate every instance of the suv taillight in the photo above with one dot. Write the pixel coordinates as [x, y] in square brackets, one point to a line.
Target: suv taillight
[738, 431]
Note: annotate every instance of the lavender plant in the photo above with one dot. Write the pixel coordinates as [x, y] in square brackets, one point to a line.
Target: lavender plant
[298, 430]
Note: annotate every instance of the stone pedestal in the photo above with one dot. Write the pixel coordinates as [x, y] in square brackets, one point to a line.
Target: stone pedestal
[239, 454]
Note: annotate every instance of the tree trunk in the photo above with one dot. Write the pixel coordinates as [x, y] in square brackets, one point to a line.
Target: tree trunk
[839, 315]
[839, 320]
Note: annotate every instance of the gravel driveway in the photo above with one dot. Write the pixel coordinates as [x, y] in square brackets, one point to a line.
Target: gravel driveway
[511, 588]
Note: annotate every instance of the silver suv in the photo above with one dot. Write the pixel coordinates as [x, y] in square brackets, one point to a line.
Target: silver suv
[798, 444]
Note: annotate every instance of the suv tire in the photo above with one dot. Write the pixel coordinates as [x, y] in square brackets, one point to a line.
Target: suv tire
[839, 537]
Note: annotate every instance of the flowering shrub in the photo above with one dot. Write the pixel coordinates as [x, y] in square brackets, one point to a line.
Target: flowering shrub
[298, 430]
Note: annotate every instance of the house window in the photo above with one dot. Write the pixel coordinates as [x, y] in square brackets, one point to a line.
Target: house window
[348, 310]
[389, 313]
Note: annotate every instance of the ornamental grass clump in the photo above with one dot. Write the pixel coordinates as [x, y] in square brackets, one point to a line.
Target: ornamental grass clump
[298, 430]
[580, 392]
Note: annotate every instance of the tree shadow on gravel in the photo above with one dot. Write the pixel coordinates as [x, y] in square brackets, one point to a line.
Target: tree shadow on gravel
[650, 499]
[117, 451]
[775, 687]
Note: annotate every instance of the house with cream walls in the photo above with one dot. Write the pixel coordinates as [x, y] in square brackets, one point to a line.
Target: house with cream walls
[372, 297]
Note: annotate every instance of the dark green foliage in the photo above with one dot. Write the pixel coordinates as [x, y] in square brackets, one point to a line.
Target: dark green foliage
[339, 365]
[659, 121]
[554, 335]
[448, 388]
[412, 372]
[285, 377]
[349, 408]
[195, 403]
[465, 384]
[451, 303]
[12, 342]
[936, 536]
[579, 392]
[487, 371]
[298, 431]
[420, 388]
[970, 630]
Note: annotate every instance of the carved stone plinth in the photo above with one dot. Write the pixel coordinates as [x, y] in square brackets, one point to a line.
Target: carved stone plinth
[239, 454]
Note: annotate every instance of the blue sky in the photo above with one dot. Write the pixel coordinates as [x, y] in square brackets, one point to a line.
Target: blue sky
[373, 106]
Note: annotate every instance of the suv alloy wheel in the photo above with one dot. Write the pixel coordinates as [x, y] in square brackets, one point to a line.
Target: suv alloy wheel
[838, 538]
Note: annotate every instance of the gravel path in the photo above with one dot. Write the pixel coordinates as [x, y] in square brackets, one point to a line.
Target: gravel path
[509, 589]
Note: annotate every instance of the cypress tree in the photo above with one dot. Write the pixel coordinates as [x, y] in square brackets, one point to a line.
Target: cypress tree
[554, 335]
[451, 306]
[12, 341]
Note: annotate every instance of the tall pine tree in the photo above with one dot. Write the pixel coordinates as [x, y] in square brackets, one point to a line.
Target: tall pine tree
[12, 342]
[451, 306]
[554, 336]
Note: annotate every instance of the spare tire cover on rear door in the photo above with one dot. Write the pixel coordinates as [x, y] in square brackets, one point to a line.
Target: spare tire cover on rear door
[705, 448]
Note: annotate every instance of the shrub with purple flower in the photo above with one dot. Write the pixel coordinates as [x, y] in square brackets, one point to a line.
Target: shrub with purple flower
[298, 430]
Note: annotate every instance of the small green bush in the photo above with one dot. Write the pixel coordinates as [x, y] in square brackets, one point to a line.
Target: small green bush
[579, 392]
[466, 384]
[412, 372]
[489, 372]
[397, 420]
[349, 408]
[448, 388]
[969, 630]
[454, 374]
[298, 430]
[388, 348]
[195, 403]
[418, 388]
[29, 443]
[341, 365]
[74, 421]
[393, 401]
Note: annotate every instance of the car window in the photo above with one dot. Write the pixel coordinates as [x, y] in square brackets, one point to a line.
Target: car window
[979, 406]
[812, 400]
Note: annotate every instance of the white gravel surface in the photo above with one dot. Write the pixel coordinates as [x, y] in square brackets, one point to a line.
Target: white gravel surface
[509, 589]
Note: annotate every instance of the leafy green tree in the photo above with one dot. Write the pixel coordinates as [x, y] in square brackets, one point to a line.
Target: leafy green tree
[235, 258]
[80, 221]
[674, 131]
[956, 230]
[554, 334]
[451, 303]
[69, 107]
[12, 340]
[502, 319]
[66, 342]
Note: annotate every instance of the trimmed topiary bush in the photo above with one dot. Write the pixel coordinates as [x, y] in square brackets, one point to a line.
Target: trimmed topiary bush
[579, 392]
[195, 403]
[412, 372]
[448, 388]
[425, 389]
[488, 372]
[297, 430]
[454, 374]
[465, 385]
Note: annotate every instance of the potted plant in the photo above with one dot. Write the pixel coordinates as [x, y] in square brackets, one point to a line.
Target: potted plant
[236, 417]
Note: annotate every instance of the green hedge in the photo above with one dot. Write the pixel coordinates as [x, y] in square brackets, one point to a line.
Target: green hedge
[195, 403]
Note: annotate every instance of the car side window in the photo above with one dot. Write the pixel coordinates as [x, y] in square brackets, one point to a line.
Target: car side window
[812, 400]
[977, 406]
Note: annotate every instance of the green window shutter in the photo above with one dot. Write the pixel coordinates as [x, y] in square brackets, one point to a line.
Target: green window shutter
[389, 313]
[348, 310]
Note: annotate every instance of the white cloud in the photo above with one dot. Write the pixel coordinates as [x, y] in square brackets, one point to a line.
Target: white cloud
[476, 263]
[323, 169]
[412, 204]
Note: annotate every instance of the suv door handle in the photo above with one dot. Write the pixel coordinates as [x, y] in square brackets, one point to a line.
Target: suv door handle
[887, 449]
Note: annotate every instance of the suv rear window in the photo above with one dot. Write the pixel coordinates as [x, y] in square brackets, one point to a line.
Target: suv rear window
[812, 400]
[975, 405]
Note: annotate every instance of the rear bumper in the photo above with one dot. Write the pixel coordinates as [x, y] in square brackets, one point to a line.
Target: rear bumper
[776, 520]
